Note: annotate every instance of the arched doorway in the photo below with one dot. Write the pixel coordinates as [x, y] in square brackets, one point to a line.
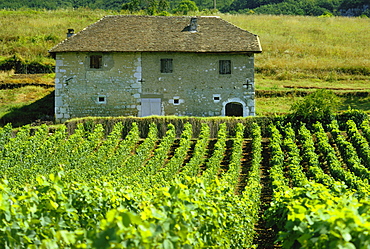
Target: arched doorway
[234, 109]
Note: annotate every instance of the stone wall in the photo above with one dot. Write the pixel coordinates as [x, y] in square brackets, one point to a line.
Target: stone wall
[113, 90]
[194, 88]
[197, 84]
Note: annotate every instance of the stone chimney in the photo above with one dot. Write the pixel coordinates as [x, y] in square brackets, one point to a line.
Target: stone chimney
[193, 24]
[70, 33]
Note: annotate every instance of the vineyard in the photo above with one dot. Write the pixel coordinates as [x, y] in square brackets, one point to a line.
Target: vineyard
[297, 187]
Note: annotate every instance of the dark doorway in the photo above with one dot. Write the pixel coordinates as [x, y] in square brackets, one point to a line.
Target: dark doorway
[234, 109]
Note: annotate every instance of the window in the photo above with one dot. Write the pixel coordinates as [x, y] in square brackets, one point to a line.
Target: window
[166, 66]
[102, 99]
[96, 61]
[176, 100]
[225, 67]
[216, 98]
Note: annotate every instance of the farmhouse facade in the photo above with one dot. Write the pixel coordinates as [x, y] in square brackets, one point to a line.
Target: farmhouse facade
[156, 65]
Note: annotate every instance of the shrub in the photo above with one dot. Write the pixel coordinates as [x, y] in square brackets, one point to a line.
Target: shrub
[320, 105]
[185, 6]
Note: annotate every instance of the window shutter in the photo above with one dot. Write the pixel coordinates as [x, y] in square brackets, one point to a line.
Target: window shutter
[225, 67]
[166, 66]
[96, 61]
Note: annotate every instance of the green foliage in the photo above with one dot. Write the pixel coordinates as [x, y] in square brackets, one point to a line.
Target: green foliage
[21, 66]
[94, 199]
[317, 217]
[310, 157]
[320, 105]
[96, 190]
[185, 6]
[286, 7]
[348, 152]
[355, 115]
[312, 215]
[306, 8]
[132, 6]
[179, 122]
[150, 7]
[302, 7]
[359, 142]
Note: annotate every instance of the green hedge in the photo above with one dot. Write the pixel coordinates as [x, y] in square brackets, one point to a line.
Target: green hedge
[21, 66]
[163, 121]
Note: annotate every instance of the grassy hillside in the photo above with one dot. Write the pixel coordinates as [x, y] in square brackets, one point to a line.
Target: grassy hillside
[31, 33]
[309, 46]
[292, 44]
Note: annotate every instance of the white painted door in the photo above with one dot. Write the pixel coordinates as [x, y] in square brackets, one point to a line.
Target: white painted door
[151, 106]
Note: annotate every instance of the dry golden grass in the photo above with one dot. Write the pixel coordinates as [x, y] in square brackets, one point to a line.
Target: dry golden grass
[294, 44]
[6, 75]
[274, 105]
[15, 98]
[31, 33]
[300, 43]
[11, 80]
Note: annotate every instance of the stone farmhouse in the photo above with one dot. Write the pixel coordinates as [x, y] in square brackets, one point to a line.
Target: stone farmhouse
[156, 65]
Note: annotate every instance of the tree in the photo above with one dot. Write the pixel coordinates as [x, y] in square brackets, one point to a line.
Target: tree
[185, 6]
[163, 5]
[152, 7]
[132, 6]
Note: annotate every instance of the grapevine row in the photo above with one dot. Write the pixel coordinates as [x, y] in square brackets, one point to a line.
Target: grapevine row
[359, 142]
[349, 153]
[137, 160]
[144, 176]
[279, 181]
[167, 173]
[365, 127]
[335, 167]
[192, 168]
[214, 162]
[299, 179]
[252, 192]
[231, 176]
[310, 156]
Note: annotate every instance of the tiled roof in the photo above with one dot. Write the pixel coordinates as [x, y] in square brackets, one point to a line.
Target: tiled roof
[122, 33]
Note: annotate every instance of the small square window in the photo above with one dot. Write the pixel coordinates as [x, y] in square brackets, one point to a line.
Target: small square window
[225, 67]
[216, 97]
[96, 61]
[166, 66]
[102, 99]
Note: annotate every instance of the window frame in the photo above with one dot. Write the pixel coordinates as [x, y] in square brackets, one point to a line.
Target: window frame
[101, 99]
[166, 65]
[224, 67]
[96, 61]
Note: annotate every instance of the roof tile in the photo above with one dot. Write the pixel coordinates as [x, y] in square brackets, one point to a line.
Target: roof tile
[126, 33]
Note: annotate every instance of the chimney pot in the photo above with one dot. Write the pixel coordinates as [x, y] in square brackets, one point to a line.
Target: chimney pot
[70, 33]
